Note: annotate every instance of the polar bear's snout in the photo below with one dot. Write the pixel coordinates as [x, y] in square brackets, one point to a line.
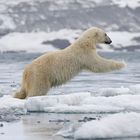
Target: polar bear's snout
[108, 40]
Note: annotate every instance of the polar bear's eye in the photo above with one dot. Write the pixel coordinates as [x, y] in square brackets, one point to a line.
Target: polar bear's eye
[105, 34]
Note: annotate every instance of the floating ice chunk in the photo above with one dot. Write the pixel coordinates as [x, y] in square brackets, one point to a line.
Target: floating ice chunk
[9, 104]
[112, 126]
[99, 104]
[67, 131]
[127, 102]
[40, 103]
[83, 103]
[75, 102]
[10, 108]
[113, 91]
[135, 89]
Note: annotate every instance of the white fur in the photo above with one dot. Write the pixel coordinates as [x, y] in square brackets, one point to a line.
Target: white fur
[56, 68]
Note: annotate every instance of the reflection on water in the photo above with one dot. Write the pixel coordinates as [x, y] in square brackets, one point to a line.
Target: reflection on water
[42, 126]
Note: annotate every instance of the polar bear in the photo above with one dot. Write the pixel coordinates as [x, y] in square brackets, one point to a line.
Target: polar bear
[56, 68]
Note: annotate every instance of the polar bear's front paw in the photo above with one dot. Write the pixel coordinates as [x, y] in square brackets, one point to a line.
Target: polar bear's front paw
[121, 65]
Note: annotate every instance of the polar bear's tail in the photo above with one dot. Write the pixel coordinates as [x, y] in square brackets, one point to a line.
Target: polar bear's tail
[20, 95]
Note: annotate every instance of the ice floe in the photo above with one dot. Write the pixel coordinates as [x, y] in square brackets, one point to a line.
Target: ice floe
[46, 103]
[11, 108]
[89, 104]
[135, 89]
[107, 100]
[13, 105]
[112, 126]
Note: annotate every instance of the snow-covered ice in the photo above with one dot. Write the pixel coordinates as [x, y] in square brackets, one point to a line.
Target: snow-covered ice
[124, 102]
[33, 42]
[130, 3]
[112, 126]
[109, 100]
[114, 91]
[7, 22]
[85, 103]
[121, 40]
[135, 88]
[11, 105]
[43, 103]
[11, 108]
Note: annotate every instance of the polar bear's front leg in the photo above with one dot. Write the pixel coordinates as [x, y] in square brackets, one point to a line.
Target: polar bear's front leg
[99, 64]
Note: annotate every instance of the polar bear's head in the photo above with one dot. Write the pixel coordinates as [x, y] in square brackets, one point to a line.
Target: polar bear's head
[96, 35]
[100, 36]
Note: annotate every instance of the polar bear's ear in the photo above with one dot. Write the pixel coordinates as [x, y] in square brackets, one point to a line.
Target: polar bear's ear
[96, 34]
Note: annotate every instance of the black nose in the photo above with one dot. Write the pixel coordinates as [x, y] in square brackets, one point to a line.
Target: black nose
[108, 42]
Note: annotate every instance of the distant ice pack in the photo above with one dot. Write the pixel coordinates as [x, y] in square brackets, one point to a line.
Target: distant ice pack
[33, 42]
